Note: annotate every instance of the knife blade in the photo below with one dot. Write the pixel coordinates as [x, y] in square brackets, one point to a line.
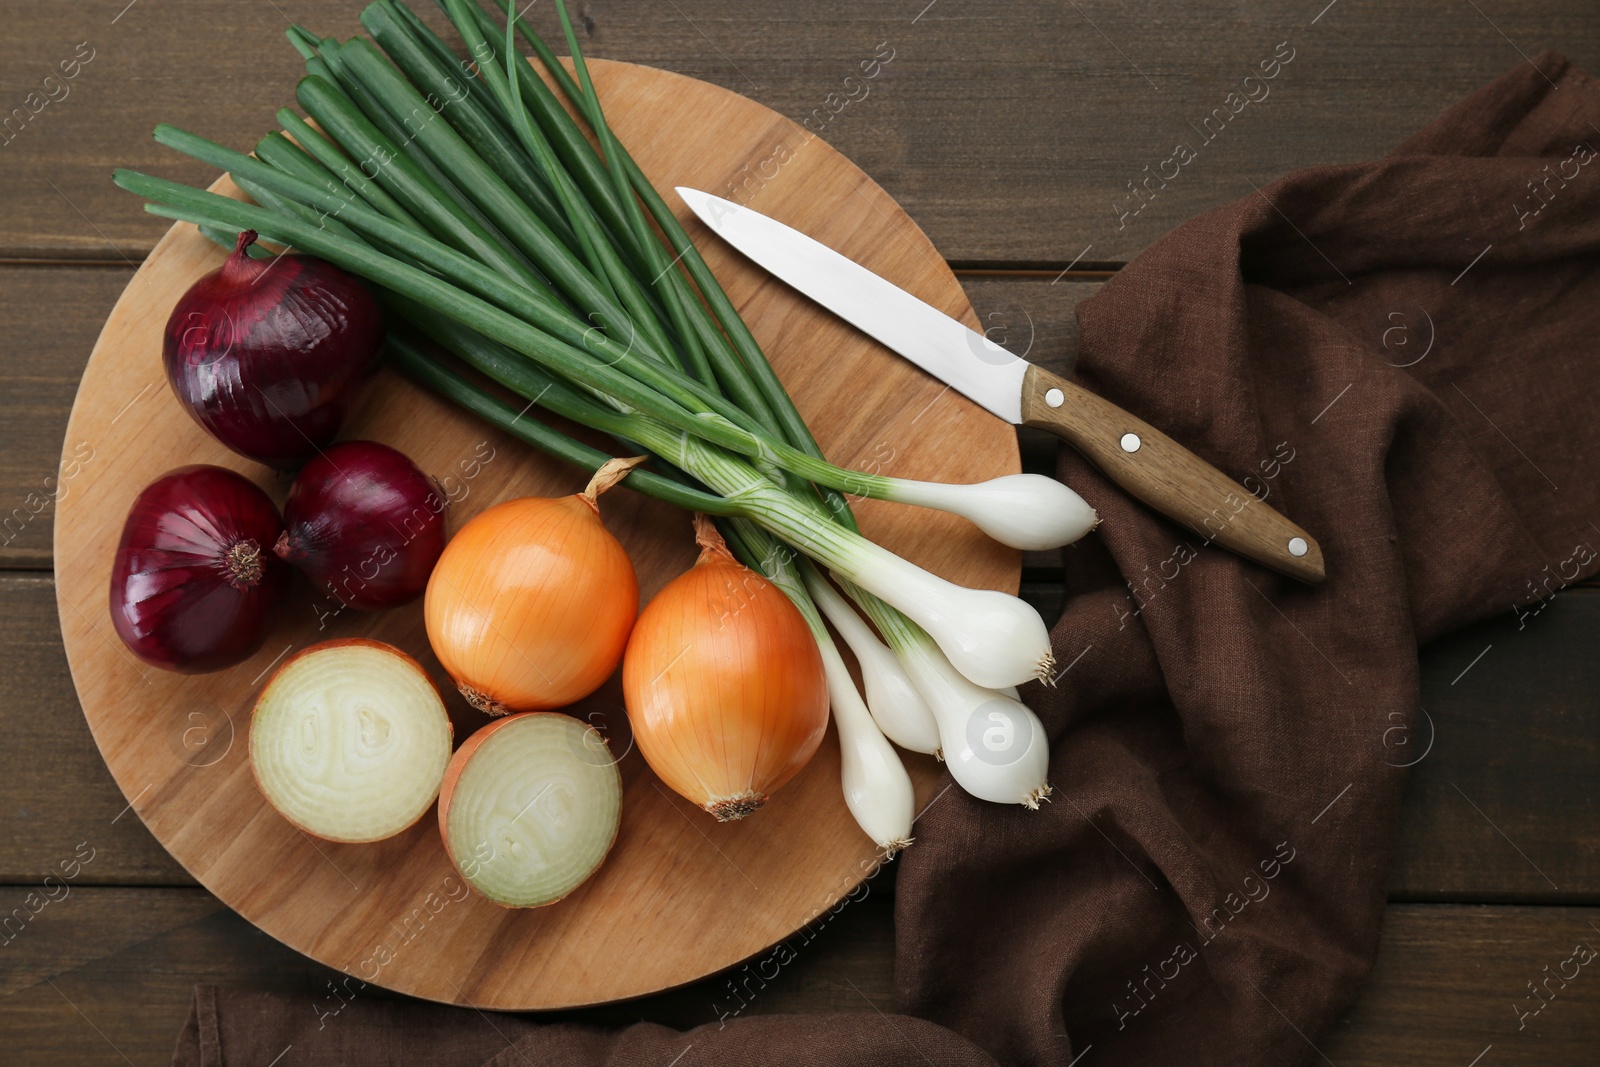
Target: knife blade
[1147, 463]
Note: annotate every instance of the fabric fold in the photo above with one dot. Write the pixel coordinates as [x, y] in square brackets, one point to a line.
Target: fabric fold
[1399, 355]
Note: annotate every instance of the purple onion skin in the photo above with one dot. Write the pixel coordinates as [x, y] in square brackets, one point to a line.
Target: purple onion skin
[365, 525]
[194, 581]
[271, 355]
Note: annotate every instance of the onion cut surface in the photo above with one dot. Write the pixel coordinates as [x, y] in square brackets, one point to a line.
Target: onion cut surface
[349, 740]
[530, 807]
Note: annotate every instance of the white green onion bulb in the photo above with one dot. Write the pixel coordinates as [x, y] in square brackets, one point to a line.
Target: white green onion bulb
[895, 705]
[1026, 511]
[994, 746]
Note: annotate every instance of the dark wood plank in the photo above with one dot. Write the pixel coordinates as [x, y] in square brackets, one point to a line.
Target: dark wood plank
[1035, 317]
[1518, 735]
[50, 317]
[104, 973]
[55, 790]
[1450, 982]
[1013, 134]
[52, 314]
[1509, 783]
[104, 976]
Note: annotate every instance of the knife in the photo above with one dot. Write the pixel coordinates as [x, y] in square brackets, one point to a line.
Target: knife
[1144, 461]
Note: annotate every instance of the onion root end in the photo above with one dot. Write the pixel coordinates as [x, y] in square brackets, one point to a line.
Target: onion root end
[242, 563]
[482, 701]
[733, 808]
[1031, 801]
[891, 849]
[1045, 671]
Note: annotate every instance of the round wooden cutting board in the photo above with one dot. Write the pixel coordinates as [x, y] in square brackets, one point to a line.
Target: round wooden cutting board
[681, 896]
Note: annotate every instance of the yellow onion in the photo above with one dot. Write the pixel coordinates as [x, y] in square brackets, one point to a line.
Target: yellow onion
[530, 605]
[724, 684]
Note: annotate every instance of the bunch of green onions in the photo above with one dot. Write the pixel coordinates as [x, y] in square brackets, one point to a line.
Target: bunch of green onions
[509, 247]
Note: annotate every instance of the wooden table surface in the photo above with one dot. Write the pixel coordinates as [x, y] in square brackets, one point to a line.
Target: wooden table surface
[1011, 132]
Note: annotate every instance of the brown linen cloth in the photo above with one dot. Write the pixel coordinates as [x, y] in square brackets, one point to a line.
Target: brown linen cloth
[1401, 355]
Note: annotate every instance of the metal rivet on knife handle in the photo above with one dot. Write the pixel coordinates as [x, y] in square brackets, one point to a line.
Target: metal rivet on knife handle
[1140, 458]
[1168, 477]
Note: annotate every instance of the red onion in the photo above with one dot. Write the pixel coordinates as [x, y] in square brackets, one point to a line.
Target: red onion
[269, 355]
[365, 525]
[193, 584]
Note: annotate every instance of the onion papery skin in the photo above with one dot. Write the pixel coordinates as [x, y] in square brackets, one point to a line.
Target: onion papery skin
[501, 830]
[365, 525]
[724, 687]
[530, 606]
[270, 356]
[194, 581]
[343, 757]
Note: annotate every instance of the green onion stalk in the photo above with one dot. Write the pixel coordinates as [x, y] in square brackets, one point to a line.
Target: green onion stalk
[502, 239]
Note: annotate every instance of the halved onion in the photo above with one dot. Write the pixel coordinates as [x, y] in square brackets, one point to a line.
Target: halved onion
[349, 740]
[530, 807]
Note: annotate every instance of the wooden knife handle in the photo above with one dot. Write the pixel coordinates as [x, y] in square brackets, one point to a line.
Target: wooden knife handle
[1162, 473]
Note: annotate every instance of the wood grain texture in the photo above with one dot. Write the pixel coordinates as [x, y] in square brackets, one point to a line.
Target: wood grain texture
[1163, 474]
[1519, 735]
[1020, 154]
[55, 790]
[107, 973]
[1030, 148]
[1035, 317]
[126, 961]
[50, 316]
[1505, 762]
[1450, 981]
[680, 896]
